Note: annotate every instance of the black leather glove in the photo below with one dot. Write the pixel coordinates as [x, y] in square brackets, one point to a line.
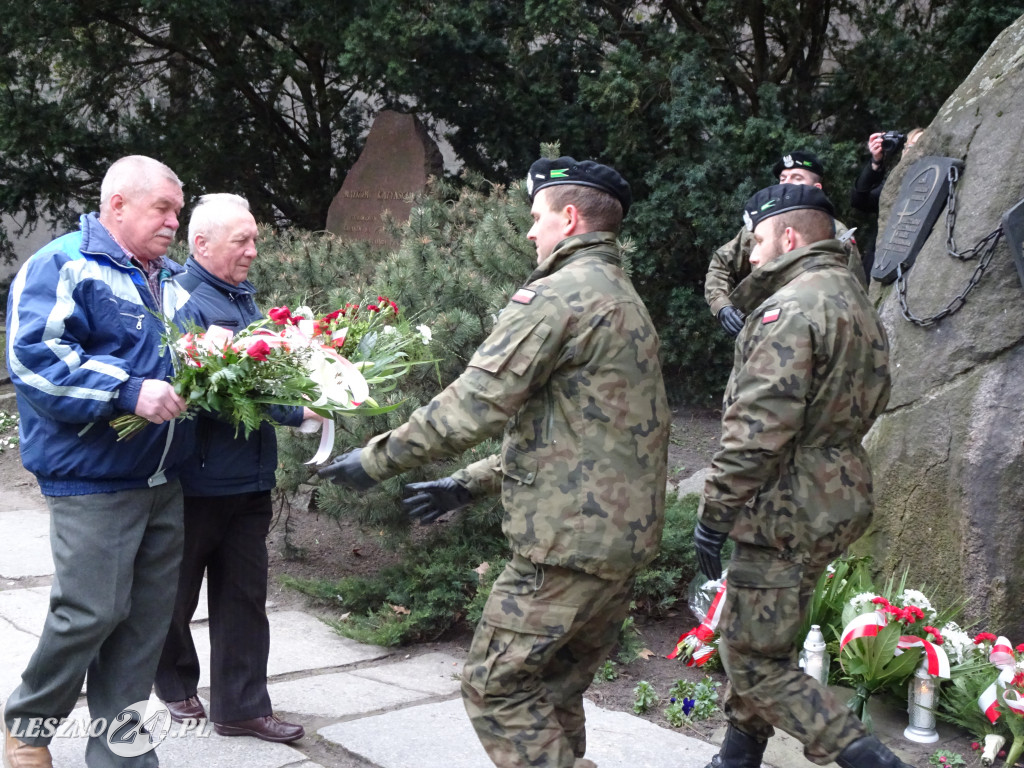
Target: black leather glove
[347, 470]
[731, 319]
[429, 500]
[708, 544]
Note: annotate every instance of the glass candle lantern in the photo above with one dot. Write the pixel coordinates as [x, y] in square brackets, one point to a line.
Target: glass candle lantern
[921, 698]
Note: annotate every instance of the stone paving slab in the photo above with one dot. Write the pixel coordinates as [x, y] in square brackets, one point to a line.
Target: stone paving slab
[339, 695]
[369, 689]
[439, 736]
[28, 552]
[22, 612]
[438, 674]
[206, 750]
[298, 643]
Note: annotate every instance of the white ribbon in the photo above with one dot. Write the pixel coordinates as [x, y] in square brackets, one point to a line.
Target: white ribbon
[326, 439]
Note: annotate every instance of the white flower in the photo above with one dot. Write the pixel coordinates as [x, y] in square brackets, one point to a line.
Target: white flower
[340, 381]
[389, 329]
[425, 333]
[305, 325]
[863, 600]
[958, 644]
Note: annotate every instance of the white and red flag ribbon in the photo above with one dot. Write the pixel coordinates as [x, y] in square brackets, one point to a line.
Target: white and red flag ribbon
[696, 640]
[869, 624]
[1001, 656]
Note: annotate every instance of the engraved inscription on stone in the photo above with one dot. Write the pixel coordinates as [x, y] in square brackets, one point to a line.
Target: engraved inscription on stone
[922, 198]
[394, 165]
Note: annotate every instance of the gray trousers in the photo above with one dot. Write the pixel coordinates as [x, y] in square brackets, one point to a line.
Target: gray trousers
[116, 559]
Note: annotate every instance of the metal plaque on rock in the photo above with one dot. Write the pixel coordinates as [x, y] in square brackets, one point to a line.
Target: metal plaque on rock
[922, 197]
[1013, 231]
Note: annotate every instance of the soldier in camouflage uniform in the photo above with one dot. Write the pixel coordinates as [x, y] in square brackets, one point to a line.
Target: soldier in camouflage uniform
[730, 263]
[571, 374]
[791, 484]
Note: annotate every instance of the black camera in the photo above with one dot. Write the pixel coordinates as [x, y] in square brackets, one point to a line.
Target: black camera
[892, 142]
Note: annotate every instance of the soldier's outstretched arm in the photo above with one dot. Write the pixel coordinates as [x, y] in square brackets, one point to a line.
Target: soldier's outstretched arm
[512, 363]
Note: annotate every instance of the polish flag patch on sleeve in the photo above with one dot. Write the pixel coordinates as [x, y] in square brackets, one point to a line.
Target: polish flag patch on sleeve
[771, 316]
[523, 296]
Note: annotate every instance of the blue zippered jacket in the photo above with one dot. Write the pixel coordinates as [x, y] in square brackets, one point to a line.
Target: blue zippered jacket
[225, 464]
[83, 332]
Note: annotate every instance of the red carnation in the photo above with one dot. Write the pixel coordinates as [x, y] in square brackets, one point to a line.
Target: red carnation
[934, 633]
[984, 637]
[258, 350]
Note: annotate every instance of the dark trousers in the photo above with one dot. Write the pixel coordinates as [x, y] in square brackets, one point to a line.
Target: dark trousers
[115, 559]
[225, 536]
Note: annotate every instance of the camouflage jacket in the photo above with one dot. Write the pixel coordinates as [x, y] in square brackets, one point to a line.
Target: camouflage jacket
[730, 265]
[810, 375]
[571, 374]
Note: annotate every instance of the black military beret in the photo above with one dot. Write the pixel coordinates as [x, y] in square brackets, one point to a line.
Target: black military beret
[799, 159]
[587, 173]
[780, 198]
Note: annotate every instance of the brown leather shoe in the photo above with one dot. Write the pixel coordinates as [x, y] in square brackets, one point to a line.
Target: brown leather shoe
[188, 709]
[18, 754]
[268, 728]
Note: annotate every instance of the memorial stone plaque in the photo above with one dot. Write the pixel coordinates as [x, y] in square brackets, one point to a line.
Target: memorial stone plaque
[1013, 231]
[922, 198]
[394, 165]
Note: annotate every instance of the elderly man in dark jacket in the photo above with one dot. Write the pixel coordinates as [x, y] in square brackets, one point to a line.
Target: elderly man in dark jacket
[227, 486]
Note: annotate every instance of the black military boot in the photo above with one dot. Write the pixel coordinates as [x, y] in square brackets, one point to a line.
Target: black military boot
[869, 752]
[739, 750]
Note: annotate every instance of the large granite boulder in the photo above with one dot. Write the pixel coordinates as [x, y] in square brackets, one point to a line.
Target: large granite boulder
[948, 454]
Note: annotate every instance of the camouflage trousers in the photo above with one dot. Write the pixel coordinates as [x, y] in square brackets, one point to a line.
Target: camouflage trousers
[765, 604]
[544, 632]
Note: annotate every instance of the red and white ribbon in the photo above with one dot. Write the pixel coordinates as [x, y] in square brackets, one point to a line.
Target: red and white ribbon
[696, 640]
[865, 625]
[869, 624]
[938, 661]
[1001, 656]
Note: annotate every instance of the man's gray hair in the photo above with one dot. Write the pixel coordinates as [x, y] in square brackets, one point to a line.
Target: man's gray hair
[133, 176]
[209, 214]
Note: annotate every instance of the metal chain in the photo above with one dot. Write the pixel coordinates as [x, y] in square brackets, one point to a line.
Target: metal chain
[984, 248]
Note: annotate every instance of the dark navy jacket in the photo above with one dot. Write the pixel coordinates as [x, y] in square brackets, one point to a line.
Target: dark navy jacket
[224, 464]
[83, 332]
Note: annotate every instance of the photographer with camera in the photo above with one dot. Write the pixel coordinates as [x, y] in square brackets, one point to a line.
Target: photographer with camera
[730, 263]
[868, 187]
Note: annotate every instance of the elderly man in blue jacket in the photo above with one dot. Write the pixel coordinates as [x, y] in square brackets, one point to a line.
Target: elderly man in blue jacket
[227, 484]
[84, 345]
